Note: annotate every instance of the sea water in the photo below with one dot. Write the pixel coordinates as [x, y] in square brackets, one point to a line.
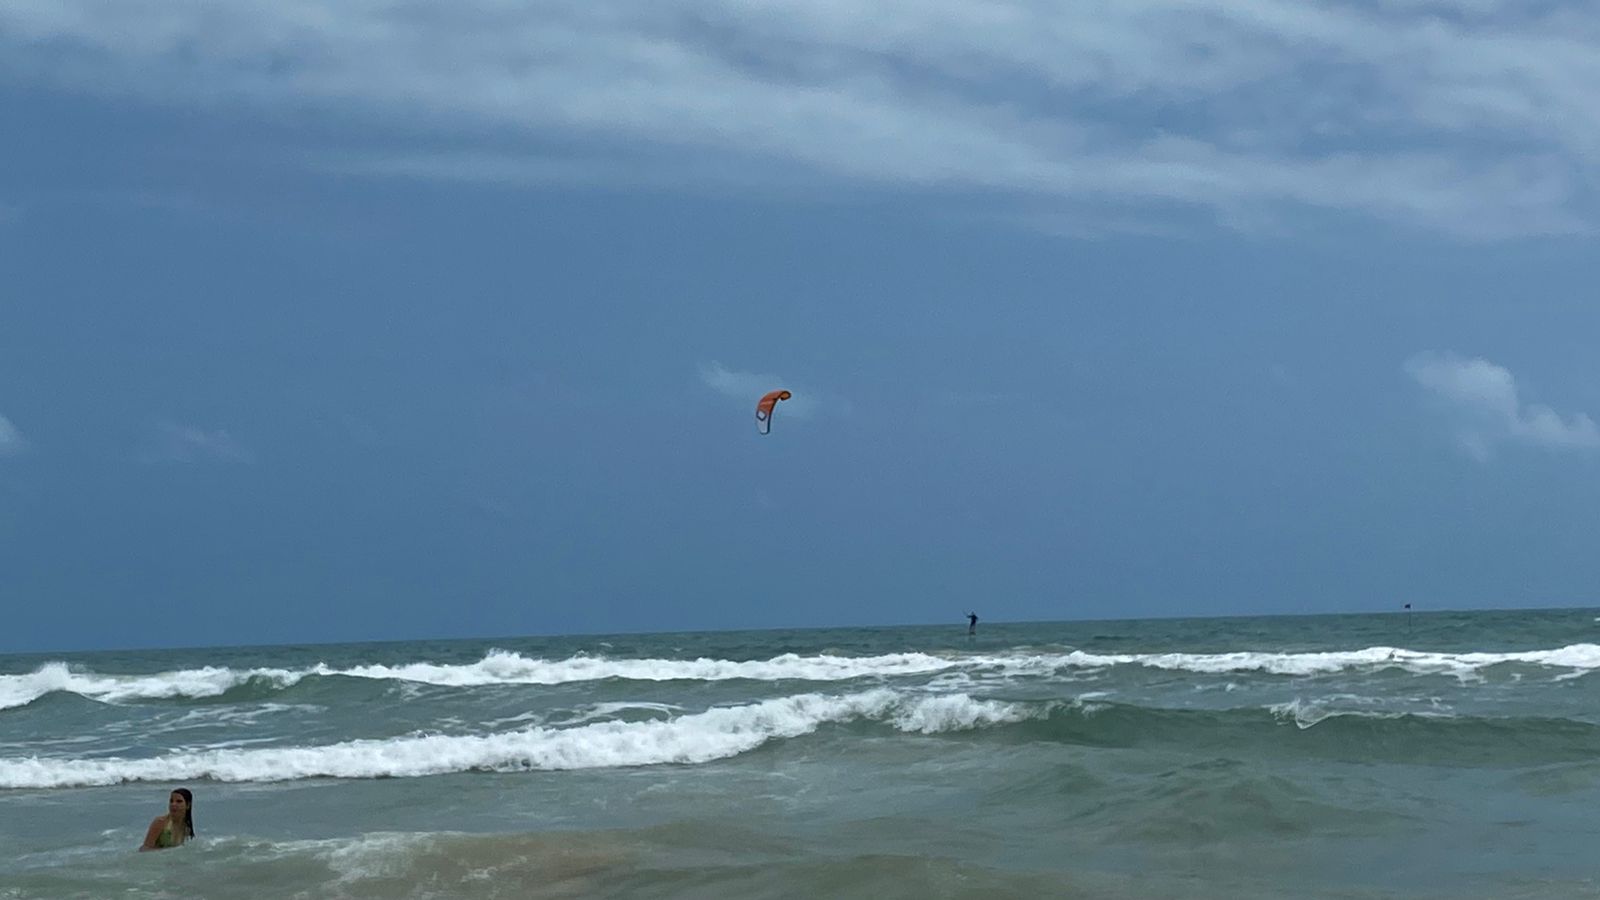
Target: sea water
[1447, 755]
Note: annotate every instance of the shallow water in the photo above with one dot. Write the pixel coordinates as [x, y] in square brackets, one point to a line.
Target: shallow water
[1457, 755]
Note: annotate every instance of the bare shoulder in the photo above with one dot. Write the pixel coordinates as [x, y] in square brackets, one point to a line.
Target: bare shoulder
[153, 832]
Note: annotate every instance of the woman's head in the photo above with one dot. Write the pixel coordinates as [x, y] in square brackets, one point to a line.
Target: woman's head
[180, 806]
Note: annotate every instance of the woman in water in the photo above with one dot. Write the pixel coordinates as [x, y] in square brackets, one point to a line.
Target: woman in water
[176, 826]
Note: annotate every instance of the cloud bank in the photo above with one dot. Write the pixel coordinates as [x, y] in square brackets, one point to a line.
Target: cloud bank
[1484, 400]
[1477, 119]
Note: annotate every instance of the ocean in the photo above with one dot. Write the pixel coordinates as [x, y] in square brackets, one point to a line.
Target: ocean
[1443, 755]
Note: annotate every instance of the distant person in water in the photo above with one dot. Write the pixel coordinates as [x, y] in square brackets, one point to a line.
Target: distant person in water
[972, 623]
[176, 826]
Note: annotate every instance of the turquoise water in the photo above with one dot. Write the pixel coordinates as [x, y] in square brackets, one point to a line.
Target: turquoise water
[1448, 755]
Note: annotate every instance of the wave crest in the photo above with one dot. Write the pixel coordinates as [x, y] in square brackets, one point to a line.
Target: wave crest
[716, 733]
[506, 667]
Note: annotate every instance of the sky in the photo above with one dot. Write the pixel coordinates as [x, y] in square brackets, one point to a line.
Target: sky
[399, 320]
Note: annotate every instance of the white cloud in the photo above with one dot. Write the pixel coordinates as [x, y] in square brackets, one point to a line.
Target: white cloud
[748, 387]
[11, 441]
[1475, 118]
[169, 442]
[1485, 402]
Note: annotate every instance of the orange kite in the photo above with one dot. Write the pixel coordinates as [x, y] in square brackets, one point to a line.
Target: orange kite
[764, 409]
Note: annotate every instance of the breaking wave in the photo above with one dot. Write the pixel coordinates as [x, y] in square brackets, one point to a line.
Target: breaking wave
[505, 667]
[716, 733]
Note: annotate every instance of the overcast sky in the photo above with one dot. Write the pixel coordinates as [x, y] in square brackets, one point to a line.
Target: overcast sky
[382, 319]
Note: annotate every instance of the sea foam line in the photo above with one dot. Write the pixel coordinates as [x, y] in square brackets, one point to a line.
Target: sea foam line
[505, 667]
[1575, 656]
[496, 667]
[59, 677]
[716, 733]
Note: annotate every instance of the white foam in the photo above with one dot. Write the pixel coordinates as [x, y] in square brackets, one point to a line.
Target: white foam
[209, 681]
[1575, 656]
[378, 855]
[1307, 713]
[1301, 713]
[613, 710]
[504, 667]
[959, 712]
[716, 733]
[497, 667]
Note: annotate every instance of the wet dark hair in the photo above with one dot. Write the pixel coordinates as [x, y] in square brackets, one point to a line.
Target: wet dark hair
[188, 809]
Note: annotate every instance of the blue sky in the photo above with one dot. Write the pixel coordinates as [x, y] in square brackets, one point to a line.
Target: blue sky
[400, 320]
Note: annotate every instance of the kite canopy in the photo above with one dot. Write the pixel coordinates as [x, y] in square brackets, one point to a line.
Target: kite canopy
[764, 409]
